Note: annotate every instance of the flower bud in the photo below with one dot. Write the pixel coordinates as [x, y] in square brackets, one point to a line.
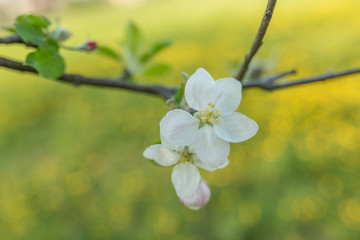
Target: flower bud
[61, 34]
[86, 46]
[91, 45]
[199, 199]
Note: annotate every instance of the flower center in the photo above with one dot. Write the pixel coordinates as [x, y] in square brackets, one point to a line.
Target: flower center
[208, 116]
[185, 155]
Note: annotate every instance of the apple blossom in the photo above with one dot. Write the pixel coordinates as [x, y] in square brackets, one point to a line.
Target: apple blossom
[215, 122]
[185, 175]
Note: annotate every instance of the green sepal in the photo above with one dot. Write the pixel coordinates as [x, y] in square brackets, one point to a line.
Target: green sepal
[153, 162]
[201, 124]
[179, 94]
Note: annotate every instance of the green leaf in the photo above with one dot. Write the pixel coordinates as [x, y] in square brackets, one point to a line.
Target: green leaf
[47, 60]
[156, 48]
[9, 29]
[133, 38]
[31, 28]
[39, 21]
[157, 69]
[179, 94]
[132, 63]
[106, 51]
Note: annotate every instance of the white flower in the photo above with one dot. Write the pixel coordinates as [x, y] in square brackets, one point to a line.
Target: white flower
[199, 199]
[185, 175]
[215, 123]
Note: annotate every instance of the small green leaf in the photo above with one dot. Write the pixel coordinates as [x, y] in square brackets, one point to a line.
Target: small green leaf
[39, 21]
[156, 70]
[47, 60]
[106, 51]
[9, 29]
[133, 38]
[179, 94]
[132, 63]
[156, 48]
[31, 28]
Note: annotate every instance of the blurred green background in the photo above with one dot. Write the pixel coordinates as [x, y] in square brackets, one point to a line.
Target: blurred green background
[71, 164]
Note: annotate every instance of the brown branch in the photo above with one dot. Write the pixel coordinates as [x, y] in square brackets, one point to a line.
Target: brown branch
[77, 80]
[270, 83]
[258, 39]
[15, 39]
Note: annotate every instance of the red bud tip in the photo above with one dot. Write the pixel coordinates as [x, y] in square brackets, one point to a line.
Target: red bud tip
[91, 45]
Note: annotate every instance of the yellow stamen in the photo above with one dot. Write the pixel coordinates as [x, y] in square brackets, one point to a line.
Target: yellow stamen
[209, 115]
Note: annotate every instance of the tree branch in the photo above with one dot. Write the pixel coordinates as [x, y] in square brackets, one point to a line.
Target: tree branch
[15, 39]
[270, 82]
[258, 39]
[77, 80]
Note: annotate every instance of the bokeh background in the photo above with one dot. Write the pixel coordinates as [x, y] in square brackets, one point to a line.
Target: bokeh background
[71, 164]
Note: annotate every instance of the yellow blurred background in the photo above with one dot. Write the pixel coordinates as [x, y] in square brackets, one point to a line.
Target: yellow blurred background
[71, 164]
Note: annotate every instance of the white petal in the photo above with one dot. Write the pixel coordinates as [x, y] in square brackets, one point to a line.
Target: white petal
[179, 127]
[202, 165]
[227, 96]
[210, 148]
[199, 199]
[166, 143]
[186, 179]
[161, 155]
[236, 127]
[198, 89]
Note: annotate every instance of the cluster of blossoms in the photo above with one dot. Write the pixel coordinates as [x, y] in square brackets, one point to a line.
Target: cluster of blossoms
[201, 139]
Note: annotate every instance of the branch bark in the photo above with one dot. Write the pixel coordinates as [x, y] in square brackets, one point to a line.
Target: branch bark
[15, 38]
[271, 83]
[258, 39]
[77, 80]
[266, 83]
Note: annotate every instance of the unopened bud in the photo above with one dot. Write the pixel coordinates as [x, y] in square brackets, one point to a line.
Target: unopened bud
[61, 34]
[86, 46]
[199, 199]
[91, 45]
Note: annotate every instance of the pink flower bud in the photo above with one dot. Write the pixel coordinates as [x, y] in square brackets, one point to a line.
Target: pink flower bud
[199, 199]
[86, 46]
[91, 45]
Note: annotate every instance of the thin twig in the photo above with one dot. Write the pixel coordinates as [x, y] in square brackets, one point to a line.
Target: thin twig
[258, 39]
[268, 80]
[77, 80]
[15, 39]
[267, 83]
[271, 84]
